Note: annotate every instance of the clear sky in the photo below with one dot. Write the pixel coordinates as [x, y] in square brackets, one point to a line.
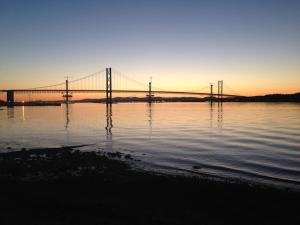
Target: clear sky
[254, 46]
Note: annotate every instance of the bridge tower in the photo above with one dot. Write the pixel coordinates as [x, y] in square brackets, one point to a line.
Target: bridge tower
[108, 85]
[150, 95]
[10, 97]
[211, 92]
[220, 90]
[67, 96]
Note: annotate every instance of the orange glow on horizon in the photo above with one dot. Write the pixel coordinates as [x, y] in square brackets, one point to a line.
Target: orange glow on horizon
[250, 83]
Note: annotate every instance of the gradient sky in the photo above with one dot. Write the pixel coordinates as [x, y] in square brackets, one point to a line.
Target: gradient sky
[254, 46]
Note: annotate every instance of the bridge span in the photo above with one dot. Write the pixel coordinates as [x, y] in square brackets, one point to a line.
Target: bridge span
[67, 91]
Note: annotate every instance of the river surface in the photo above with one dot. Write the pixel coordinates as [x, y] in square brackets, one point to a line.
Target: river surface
[257, 142]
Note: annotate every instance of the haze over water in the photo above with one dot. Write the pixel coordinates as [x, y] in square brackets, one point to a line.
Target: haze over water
[254, 141]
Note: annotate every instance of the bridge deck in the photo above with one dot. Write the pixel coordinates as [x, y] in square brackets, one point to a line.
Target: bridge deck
[24, 91]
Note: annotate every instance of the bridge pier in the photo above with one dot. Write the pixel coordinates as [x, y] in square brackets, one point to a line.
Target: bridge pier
[10, 97]
[108, 85]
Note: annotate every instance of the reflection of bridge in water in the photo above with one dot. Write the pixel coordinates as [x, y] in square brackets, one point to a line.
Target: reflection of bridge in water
[215, 117]
[104, 82]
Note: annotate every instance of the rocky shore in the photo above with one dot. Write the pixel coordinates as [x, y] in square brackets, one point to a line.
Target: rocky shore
[68, 186]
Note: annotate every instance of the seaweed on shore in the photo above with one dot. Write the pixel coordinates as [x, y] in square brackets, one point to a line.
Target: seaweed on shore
[67, 186]
[60, 163]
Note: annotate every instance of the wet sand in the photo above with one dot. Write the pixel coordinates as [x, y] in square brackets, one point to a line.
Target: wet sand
[67, 186]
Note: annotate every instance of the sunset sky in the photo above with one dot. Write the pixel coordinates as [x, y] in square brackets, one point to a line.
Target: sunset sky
[254, 46]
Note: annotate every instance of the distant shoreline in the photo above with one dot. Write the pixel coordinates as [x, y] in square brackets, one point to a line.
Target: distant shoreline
[265, 98]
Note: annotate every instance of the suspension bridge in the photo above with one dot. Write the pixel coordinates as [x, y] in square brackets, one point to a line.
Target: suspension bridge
[108, 82]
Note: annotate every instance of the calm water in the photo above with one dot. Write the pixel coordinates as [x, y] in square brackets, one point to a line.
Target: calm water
[254, 141]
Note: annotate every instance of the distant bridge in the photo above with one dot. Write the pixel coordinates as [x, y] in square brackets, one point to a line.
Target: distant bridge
[94, 84]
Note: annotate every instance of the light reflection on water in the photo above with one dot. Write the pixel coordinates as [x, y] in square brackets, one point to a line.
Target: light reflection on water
[254, 141]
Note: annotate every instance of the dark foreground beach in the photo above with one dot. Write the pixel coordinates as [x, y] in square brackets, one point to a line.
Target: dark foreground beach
[67, 186]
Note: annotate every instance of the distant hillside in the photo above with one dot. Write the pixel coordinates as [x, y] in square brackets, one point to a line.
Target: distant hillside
[268, 98]
[265, 98]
